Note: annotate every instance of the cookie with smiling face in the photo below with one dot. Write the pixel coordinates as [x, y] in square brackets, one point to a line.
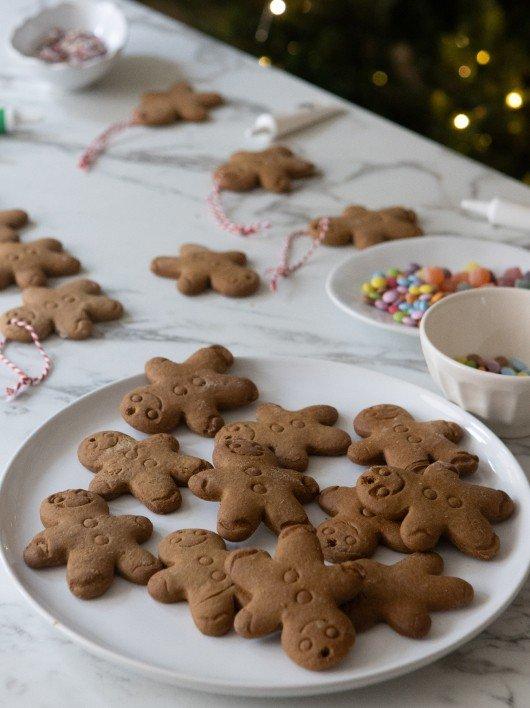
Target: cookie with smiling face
[81, 533]
[195, 573]
[292, 435]
[296, 592]
[392, 436]
[193, 392]
[434, 504]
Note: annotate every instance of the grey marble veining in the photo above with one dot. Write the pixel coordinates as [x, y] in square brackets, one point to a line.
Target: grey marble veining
[147, 196]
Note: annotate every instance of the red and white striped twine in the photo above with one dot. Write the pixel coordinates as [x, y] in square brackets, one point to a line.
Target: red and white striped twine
[24, 380]
[214, 202]
[98, 146]
[283, 269]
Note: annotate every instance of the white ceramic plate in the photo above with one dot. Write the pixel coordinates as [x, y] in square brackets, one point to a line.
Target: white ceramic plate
[343, 284]
[127, 626]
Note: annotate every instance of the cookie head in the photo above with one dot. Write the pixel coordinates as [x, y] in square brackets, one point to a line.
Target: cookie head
[92, 448]
[187, 538]
[318, 637]
[381, 482]
[73, 505]
[342, 541]
[374, 418]
[245, 451]
[145, 411]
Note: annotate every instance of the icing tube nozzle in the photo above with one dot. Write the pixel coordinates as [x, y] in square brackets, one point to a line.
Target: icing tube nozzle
[269, 126]
[13, 118]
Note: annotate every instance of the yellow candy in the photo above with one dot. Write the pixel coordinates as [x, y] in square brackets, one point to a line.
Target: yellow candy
[366, 288]
[378, 282]
[414, 290]
[426, 288]
[522, 373]
[471, 266]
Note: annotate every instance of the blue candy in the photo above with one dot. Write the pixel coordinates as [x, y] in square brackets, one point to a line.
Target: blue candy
[507, 371]
[517, 364]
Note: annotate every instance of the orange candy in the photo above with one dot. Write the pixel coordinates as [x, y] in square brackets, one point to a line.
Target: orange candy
[479, 276]
[433, 275]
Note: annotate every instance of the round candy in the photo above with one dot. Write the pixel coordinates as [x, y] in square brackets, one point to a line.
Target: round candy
[390, 296]
[433, 275]
[398, 316]
[518, 364]
[479, 276]
[513, 273]
[507, 371]
[492, 365]
[380, 304]
[378, 281]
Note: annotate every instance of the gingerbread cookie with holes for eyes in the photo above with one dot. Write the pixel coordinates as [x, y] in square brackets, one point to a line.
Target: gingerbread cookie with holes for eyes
[392, 435]
[292, 435]
[297, 593]
[353, 531]
[11, 220]
[195, 573]
[434, 504]
[151, 470]
[366, 227]
[193, 391]
[403, 594]
[29, 264]
[69, 310]
[251, 487]
[81, 533]
[179, 102]
[273, 169]
[198, 268]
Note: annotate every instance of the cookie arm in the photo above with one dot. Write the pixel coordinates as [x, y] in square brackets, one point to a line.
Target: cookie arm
[46, 549]
[109, 485]
[297, 542]
[366, 452]
[495, 504]
[167, 586]
[103, 309]
[166, 266]
[185, 467]
[56, 262]
[338, 500]
[30, 276]
[137, 564]
[209, 99]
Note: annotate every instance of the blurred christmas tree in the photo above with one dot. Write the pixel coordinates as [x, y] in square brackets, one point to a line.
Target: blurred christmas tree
[456, 70]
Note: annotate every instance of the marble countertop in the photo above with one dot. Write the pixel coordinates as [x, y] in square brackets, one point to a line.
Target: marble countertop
[145, 198]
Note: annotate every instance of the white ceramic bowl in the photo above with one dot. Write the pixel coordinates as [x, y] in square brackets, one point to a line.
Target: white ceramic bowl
[104, 19]
[489, 322]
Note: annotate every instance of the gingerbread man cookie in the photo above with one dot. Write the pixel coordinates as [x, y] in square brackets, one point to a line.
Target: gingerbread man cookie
[293, 435]
[151, 470]
[11, 220]
[273, 169]
[393, 436]
[195, 572]
[179, 102]
[81, 534]
[403, 594]
[296, 592]
[194, 391]
[251, 488]
[198, 268]
[436, 503]
[353, 531]
[366, 228]
[29, 264]
[69, 310]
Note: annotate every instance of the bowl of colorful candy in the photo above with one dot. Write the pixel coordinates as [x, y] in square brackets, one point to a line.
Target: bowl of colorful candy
[394, 284]
[73, 44]
[477, 347]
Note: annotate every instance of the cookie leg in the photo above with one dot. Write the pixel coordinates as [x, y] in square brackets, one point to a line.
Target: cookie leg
[30, 277]
[238, 517]
[137, 565]
[89, 575]
[157, 491]
[407, 619]
[214, 615]
[73, 324]
[418, 533]
[287, 513]
[256, 620]
[6, 277]
[204, 421]
[473, 535]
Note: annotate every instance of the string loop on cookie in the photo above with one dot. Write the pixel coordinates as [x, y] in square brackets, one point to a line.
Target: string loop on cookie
[24, 380]
[99, 145]
[214, 203]
[284, 269]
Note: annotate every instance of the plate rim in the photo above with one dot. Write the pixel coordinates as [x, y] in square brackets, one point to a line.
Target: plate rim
[211, 685]
[387, 245]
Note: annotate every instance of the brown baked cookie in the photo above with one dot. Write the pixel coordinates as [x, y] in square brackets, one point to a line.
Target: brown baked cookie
[393, 436]
[292, 435]
[195, 573]
[70, 310]
[81, 534]
[198, 268]
[251, 487]
[297, 593]
[194, 391]
[11, 220]
[273, 169]
[179, 102]
[436, 503]
[353, 531]
[403, 594]
[151, 470]
[29, 264]
[366, 227]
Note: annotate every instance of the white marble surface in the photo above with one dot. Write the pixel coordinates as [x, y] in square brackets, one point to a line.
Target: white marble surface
[144, 199]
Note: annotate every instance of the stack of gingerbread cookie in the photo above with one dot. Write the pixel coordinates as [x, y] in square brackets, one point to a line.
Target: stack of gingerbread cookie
[321, 586]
